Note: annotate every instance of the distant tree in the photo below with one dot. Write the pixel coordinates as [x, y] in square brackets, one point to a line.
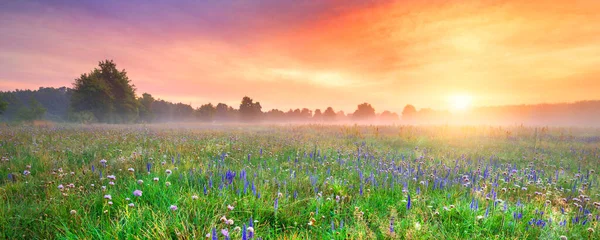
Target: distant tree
[275, 115]
[249, 110]
[225, 113]
[305, 114]
[318, 116]
[145, 107]
[107, 93]
[364, 112]
[409, 113]
[329, 114]
[3, 106]
[388, 116]
[35, 111]
[340, 116]
[206, 112]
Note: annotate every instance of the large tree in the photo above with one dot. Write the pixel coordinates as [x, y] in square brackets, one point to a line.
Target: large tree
[249, 110]
[364, 112]
[409, 113]
[107, 93]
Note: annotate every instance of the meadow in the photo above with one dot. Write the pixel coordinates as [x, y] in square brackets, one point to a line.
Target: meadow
[298, 182]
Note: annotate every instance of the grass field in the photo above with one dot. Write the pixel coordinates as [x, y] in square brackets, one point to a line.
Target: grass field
[298, 182]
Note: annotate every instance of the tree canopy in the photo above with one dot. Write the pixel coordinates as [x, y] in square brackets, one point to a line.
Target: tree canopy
[107, 93]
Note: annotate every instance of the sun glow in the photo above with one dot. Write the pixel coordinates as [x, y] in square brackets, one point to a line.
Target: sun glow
[460, 103]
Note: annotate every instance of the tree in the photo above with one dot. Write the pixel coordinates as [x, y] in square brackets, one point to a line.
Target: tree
[409, 113]
[35, 111]
[388, 116]
[206, 112]
[305, 114]
[3, 106]
[318, 116]
[145, 107]
[107, 93]
[249, 110]
[364, 112]
[329, 114]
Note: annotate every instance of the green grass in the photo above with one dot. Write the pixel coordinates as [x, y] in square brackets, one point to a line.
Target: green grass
[305, 168]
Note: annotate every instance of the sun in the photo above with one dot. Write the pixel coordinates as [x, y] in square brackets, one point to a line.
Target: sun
[460, 102]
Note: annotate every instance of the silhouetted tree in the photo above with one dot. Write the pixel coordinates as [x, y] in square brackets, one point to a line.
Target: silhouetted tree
[275, 115]
[388, 116]
[364, 112]
[145, 103]
[329, 114]
[318, 116]
[305, 114]
[249, 110]
[409, 113]
[107, 93]
[206, 112]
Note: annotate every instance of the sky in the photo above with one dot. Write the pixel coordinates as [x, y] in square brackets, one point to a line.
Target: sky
[290, 54]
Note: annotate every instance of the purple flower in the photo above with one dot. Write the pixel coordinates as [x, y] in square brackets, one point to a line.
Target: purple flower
[225, 232]
[108, 197]
[173, 207]
[408, 203]
[137, 193]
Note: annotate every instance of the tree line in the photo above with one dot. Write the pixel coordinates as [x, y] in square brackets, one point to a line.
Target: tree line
[107, 95]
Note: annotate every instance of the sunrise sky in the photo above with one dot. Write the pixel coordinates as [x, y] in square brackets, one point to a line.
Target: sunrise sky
[289, 54]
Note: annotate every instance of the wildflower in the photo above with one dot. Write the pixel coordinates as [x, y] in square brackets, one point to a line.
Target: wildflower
[237, 229]
[60, 187]
[107, 196]
[250, 229]
[168, 184]
[111, 183]
[173, 207]
[26, 172]
[140, 182]
[225, 232]
[563, 237]
[73, 212]
[168, 172]
[229, 222]
[223, 219]
[131, 170]
[111, 177]
[137, 193]
[230, 208]
[155, 179]
[103, 162]
[590, 230]
[479, 217]
[127, 199]
[131, 205]
[408, 202]
[279, 194]
[110, 203]
[103, 188]
[194, 197]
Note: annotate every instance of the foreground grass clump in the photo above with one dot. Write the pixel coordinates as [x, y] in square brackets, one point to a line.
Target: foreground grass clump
[298, 182]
